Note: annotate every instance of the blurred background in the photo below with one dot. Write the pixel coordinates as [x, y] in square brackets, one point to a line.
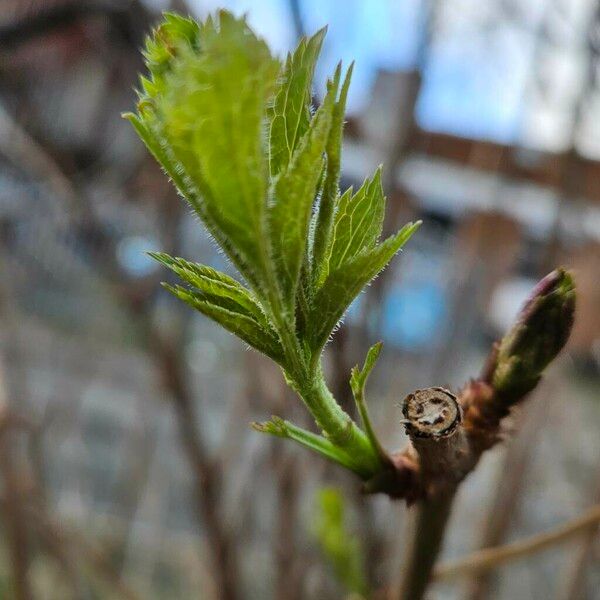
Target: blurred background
[127, 467]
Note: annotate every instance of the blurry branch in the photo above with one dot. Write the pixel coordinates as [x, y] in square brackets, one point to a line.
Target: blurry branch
[287, 583]
[509, 484]
[206, 471]
[58, 538]
[135, 298]
[574, 579]
[47, 19]
[15, 522]
[25, 152]
[571, 174]
[492, 557]
[56, 547]
[24, 509]
[296, 13]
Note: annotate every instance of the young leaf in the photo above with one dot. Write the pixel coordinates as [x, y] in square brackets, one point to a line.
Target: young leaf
[294, 193]
[243, 326]
[174, 35]
[358, 377]
[157, 148]
[213, 108]
[317, 443]
[290, 113]
[358, 222]
[323, 220]
[346, 282]
[358, 381]
[150, 131]
[216, 286]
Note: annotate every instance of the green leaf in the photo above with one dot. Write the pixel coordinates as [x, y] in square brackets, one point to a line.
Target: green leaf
[149, 130]
[216, 286]
[240, 324]
[294, 194]
[172, 36]
[290, 113]
[358, 381]
[345, 283]
[358, 222]
[358, 377]
[323, 228]
[156, 146]
[214, 109]
[317, 443]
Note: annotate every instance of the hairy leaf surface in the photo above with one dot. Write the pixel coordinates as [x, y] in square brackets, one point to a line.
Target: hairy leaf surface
[290, 113]
[345, 283]
[358, 222]
[323, 228]
[219, 287]
[240, 324]
[213, 109]
[294, 194]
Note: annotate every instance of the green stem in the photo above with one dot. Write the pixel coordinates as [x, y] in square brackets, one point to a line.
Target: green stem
[309, 383]
[322, 446]
[337, 425]
[361, 404]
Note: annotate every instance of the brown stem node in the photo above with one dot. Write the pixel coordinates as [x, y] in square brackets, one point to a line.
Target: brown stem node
[433, 421]
[431, 413]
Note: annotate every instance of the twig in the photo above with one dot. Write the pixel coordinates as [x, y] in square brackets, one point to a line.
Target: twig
[47, 20]
[169, 364]
[492, 557]
[59, 538]
[433, 423]
[20, 148]
[425, 531]
[448, 436]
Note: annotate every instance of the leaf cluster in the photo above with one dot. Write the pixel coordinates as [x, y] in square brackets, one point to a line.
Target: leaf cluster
[235, 130]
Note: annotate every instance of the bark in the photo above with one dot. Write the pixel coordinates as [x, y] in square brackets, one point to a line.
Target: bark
[428, 523]
[433, 423]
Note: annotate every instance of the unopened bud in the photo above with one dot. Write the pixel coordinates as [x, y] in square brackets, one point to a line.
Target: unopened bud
[542, 329]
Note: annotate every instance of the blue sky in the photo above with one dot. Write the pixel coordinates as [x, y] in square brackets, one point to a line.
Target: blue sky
[479, 74]
[473, 83]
